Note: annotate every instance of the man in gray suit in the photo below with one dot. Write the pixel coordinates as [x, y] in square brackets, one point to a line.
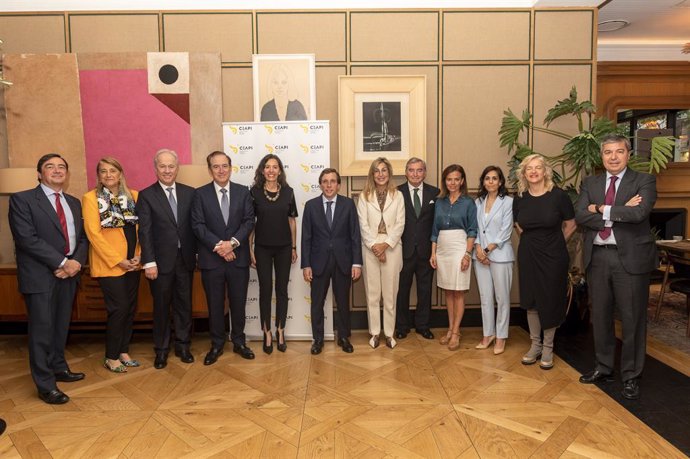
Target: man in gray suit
[619, 255]
[51, 248]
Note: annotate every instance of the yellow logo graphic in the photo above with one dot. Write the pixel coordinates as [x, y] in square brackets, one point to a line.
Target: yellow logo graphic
[269, 128]
[304, 127]
[304, 147]
[233, 129]
[305, 167]
[307, 299]
[234, 149]
[269, 148]
[306, 187]
[235, 169]
[307, 317]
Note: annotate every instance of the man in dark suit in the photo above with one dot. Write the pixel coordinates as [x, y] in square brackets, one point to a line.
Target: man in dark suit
[331, 251]
[222, 219]
[168, 253]
[51, 248]
[619, 255]
[416, 241]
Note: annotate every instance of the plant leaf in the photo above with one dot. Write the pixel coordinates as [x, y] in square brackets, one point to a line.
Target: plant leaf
[512, 127]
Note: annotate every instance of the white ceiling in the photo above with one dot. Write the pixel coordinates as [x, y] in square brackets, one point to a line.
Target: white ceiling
[657, 31]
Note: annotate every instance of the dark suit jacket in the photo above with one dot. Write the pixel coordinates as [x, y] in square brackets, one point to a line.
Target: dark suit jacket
[417, 230]
[342, 239]
[158, 230]
[38, 238]
[209, 227]
[636, 246]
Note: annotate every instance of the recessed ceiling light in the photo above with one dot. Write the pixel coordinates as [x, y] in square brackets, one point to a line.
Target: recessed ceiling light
[612, 25]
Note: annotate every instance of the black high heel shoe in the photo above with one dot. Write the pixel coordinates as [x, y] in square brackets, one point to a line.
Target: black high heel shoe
[268, 348]
[280, 337]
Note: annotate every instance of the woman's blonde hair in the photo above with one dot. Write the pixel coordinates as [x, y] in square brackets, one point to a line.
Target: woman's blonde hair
[370, 186]
[124, 189]
[522, 179]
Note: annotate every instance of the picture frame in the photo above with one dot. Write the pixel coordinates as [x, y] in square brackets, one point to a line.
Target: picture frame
[380, 115]
[284, 87]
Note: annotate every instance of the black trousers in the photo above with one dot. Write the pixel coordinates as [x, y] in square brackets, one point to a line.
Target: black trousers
[172, 291]
[341, 295]
[215, 281]
[49, 317]
[611, 286]
[120, 296]
[420, 269]
[268, 258]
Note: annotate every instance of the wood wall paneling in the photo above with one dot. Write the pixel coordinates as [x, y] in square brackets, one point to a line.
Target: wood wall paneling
[327, 105]
[237, 94]
[205, 105]
[563, 34]
[394, 36]
[115, 33]
[47, 33]
[551, 84]
[227, 33]
[482, 36]
[322, 34]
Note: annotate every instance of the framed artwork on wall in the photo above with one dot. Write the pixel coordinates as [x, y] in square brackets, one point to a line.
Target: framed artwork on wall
[284, 87]
[381, 116]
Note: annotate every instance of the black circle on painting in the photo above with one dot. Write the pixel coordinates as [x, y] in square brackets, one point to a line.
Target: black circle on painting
[168, 74]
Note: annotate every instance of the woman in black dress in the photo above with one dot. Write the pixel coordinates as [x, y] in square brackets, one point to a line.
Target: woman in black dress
[545, 219]
[273, 244]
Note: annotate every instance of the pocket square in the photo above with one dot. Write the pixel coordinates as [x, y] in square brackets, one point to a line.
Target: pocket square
[431, 203]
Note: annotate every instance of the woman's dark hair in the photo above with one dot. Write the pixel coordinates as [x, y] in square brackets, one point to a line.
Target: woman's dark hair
[260, 180]
[502, 190]
[448, 170]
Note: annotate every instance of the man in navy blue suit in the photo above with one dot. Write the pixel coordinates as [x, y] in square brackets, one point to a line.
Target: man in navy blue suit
[331, 251]
[51, 248]
[222, 219]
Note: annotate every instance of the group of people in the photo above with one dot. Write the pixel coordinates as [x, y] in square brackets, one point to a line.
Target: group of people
[391, 236]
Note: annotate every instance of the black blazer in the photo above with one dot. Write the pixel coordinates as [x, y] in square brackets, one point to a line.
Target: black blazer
[209, 227]
[38, 238]
[343, 239]
[634, 239]
[417, 232]
[158, 230]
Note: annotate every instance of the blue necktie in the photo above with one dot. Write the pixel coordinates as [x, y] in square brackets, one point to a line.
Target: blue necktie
[329, 213]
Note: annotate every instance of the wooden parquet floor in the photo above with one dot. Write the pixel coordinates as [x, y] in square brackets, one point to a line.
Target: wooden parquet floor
[416, 401]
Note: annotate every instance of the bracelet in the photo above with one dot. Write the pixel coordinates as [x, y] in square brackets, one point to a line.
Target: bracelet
[468, 253]
[294, 247]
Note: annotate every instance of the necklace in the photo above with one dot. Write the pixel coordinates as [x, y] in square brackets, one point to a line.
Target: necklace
[274, 198]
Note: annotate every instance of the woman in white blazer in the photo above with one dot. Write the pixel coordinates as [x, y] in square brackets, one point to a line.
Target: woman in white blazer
[381, 211]
[493, 256]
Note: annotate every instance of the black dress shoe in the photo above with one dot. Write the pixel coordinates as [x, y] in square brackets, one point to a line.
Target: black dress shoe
[346, 345]
[316, 347]
[68, 376]
[595, 377]
[54, 397]
[631, 389]
[426, 334]
[243, 351]
[213, 355]
[399, 334]
[161, 360]
[267, 348]
[3, 426]
[184, 354]
[280, 338]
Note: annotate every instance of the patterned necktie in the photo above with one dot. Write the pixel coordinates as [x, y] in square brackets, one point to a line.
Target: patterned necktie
[171, 200]
[329, 213]
[63, 221]
[609, 200]
[417, 202]
[225, 205]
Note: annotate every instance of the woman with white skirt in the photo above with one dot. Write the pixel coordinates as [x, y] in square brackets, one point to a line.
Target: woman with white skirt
[381, 211]
[452, 240]
[493, 259]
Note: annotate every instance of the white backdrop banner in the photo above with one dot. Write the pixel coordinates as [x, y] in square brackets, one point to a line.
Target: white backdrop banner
[304, 149]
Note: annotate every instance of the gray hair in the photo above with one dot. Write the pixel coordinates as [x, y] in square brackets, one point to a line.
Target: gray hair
[165, 150]
[415, 160]
[615, 138]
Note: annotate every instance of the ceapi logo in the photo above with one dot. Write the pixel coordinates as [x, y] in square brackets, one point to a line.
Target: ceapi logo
[304, 127]
[280, 127]
[307, 299]
[245, 148]
[235, 169]
[315, 148]
[313, 187]
[234, 149]
[304, 167]
[246, 167]
[316, 127]
[269, 148]
[317, 167]
[305, 148]
[244, 129]
[269, 128]
[233, 129]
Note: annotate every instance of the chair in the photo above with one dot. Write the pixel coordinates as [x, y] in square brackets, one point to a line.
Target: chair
[681, 266]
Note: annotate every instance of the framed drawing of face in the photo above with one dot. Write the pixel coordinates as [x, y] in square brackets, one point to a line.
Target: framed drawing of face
[381, 116]
[284, 87]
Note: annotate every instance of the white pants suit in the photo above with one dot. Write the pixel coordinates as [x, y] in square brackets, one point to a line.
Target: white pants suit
[382, 280]
[495, 279]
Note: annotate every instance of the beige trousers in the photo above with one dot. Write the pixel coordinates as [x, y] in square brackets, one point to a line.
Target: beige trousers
[381, 280]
